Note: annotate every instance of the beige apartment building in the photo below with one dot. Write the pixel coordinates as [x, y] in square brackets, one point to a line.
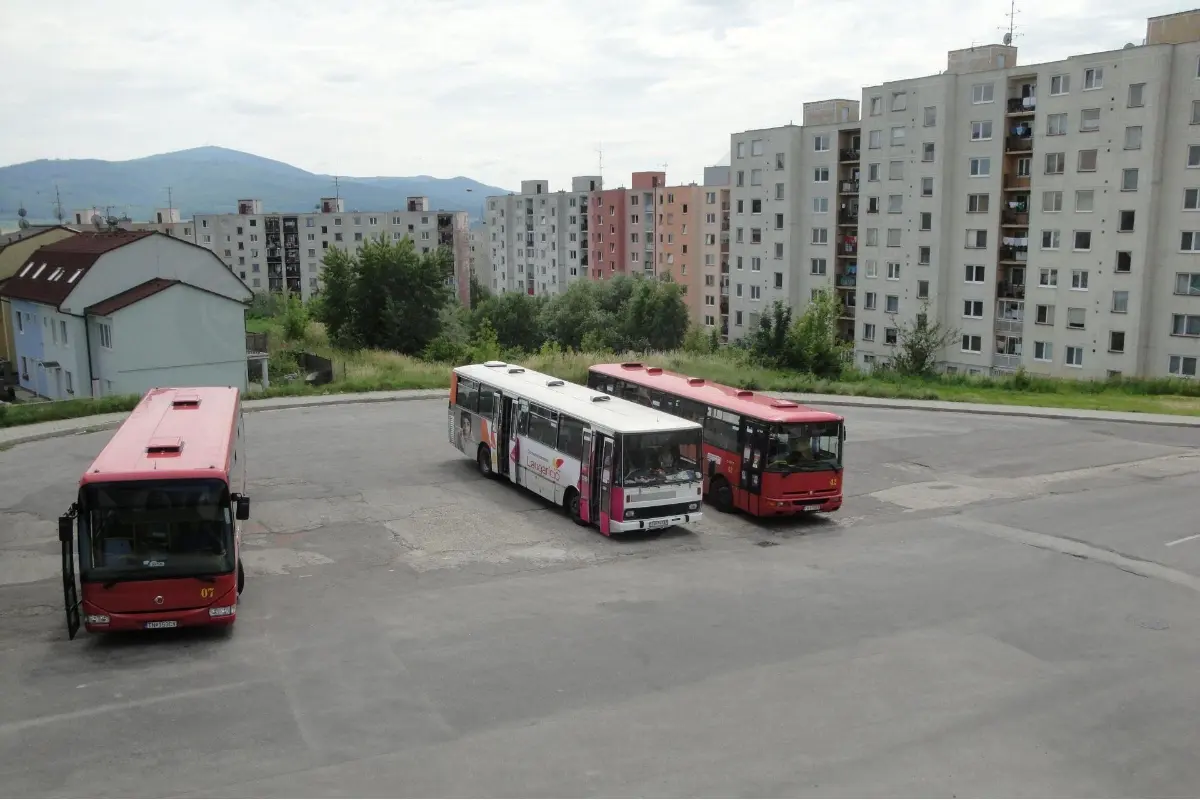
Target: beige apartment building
[1048, 213]
[713, 309]
[538, 238]
[793, 202]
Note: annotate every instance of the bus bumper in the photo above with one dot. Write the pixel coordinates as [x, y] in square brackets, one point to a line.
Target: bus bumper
[654, 523]
[784, 506]
[97, 620]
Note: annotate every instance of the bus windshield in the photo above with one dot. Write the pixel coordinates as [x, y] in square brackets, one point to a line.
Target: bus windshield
[652, 459]
[147, 530]
[805, 447]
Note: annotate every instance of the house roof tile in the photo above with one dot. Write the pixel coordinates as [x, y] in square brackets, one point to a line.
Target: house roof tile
[53, 271]
[128, 297]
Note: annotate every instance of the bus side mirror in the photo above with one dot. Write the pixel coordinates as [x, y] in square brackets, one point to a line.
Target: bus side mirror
[241, 506]
[65, 529]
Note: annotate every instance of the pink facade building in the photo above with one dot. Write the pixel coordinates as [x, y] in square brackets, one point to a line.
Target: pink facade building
[607, 222]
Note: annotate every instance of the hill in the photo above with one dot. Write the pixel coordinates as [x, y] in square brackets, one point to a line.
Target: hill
[211, 180]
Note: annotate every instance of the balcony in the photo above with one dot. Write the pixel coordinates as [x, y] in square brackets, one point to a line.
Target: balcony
[725, 226]
[848, 218]
[1012, 249]
[1022, 105]
[849, 154]
[849, 187]
[1018, 144]
[847, 246]
[847, 311]
[1011, 217]
[1006, 362]
[847, 281]
[1008, 290]
[1016, 183]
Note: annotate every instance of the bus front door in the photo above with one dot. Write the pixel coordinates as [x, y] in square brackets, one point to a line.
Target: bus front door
[502, 425]
[66, 537]
[606, 480]
[586, 482]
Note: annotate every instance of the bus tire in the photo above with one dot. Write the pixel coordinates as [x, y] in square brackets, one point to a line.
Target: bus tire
[241, 578]
[484, 461]
[720, 494]
[571, 505]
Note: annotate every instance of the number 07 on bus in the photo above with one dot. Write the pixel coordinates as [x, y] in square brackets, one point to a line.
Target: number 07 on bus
[607, 462]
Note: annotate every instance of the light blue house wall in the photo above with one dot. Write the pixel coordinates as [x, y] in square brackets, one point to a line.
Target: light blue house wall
[27, 337]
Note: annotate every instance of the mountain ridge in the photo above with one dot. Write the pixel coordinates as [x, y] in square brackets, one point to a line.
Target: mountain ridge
[212, 179]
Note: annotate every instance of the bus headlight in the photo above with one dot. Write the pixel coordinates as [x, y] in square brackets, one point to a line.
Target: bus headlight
[693, 507]
[96, 619]
[629, 513]
[221, 611]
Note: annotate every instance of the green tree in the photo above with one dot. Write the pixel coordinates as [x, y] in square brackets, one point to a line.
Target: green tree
[655, 316]
[516, 318]
[768, 344]
[485, 346]
[813, 343]
[294, 318]
[918, 344]
[336, 310]
[568, 317]
[397, 294]
[479, 292]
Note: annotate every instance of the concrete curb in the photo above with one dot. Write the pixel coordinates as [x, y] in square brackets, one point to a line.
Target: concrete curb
[1036, 412]
[82, 425]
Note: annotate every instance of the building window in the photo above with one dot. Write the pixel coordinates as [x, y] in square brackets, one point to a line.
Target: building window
[1076, 318]
[898, 136]
[1120, 302]
[1126, 221]
[981, 130]
[899, 101]
[1187, 283]
[872, 268]
[1079, 279]
[868, 332]
[976, 239]
[926, 187]
[105, 335]
[876, 106]
[818, 266]
[980, 167]
[1082, 240]
[1124, 261]
[930, 116]
[1137, 95]
[1089, 120]
[1074, 356]
[1133, 137]
[1093, 78]
[922, 290]
[1084, 200]
[1043, 351]
[874, 140]
[978, 203]
[893, 237]
[1043, 315]
[1129, 179]
[820, 236]
[895, 203]
[1060, 84]
[872, 172]
[895, 170]
[1056, 124]
[1189, 241]
[756, 147]
[1185, 324]
[973, 309]
[1055, 163]
[972, 343]
[821, 143]
[1182, 366]
[926, 221]
[1087, 161]
[975, 273]
[891, 335]
[821, 175]
[891, 304]
[1048, 278]
[982, 93]
[924, 255]
[893, 270]
[927, 152]
[869, 301]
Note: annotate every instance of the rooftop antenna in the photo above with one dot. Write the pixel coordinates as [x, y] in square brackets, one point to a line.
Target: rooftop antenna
[58, 212]
[170, 202]
[600, 154]
[336, 190]
[1010, 33]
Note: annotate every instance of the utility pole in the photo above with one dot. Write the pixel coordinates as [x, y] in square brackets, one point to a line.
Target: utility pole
[58, 212]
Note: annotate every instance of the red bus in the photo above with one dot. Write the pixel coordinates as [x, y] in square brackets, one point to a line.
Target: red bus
[766, 456]
[156, 525]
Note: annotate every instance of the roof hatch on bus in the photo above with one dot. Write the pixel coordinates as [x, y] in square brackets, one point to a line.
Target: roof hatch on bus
[164, 446]
[695, 381]
[494, 364]
[654, 371]
[784, 404]
[515, 370]
[186, 400]
[554, 382]
[632, 365]
[601, 398]
[745, 393]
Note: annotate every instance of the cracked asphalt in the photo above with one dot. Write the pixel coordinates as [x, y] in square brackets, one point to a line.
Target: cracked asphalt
[1004, 606]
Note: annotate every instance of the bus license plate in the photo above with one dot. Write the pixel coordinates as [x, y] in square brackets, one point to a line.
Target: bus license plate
[164, 623]
[812, 508]
[657, 523]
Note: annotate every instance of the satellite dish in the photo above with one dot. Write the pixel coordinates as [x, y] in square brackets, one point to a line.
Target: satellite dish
[21, 212]
[1008, 38]
[1129, 46]
[98, 221]
[22, 223]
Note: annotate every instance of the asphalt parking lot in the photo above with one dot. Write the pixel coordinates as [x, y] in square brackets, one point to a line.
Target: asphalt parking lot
[1004, 606]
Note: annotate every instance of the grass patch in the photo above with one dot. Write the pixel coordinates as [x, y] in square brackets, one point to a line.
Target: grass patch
[371, 371]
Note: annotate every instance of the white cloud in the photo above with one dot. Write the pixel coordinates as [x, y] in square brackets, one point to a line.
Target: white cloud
[495, 90]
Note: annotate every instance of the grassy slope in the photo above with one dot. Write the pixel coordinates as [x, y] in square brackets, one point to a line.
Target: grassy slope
[376, 371]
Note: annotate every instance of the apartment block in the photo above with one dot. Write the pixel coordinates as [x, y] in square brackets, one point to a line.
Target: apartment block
[277, 252]
[539, 239]
[679, 212]
[480, 259]
[790, 187]
[1049, 214]
[714, 249]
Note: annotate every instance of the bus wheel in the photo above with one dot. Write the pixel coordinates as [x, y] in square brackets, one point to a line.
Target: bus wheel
[485, 461]
[572, 505]
[721, 495]
[241, 577]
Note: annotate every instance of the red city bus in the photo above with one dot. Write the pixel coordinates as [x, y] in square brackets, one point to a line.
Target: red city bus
[156, 525]
[765, 456]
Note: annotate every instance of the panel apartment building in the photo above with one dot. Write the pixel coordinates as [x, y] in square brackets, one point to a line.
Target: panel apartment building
[1049, 214]
[539, 239]
[794, 207]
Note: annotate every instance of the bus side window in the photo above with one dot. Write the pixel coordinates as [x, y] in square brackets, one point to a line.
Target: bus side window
[720, 433]
[523, 420]
[570, 437]
[690, 409]
[487, 400]
[468, 394]
[542, 427]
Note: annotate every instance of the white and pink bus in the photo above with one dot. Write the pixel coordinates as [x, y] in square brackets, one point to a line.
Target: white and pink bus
[606, 461]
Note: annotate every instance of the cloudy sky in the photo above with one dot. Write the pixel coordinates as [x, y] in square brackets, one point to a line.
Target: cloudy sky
[496, 90]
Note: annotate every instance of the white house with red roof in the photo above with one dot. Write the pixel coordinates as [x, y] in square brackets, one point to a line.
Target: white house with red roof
[120, 312]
